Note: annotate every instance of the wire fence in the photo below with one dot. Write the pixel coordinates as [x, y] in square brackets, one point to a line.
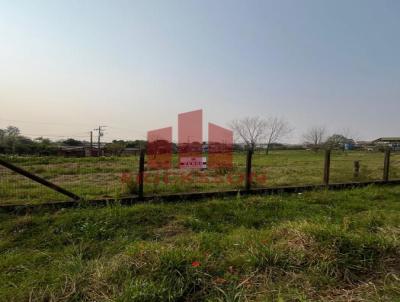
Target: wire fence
[116, 177]
[395, 166]
[343, 166]
[17, 189]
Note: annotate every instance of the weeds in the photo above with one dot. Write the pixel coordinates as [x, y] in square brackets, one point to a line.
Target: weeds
[317, 246]
[100, 177]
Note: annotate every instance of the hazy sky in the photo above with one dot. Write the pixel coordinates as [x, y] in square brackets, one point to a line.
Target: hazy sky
[68, 66]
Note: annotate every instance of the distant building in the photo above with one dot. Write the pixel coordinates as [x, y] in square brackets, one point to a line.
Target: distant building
[87, 151]
[72, 151]
[391, 142]
[364, 145]
[349, 146]
[130, 151]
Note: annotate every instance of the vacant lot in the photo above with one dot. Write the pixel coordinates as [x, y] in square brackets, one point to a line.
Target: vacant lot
[317, 246]
[115, 176]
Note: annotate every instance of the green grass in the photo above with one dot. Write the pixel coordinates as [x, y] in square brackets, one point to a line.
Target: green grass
[93, 178]
[316, 246]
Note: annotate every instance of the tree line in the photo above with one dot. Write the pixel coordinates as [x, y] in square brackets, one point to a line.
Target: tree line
[250, 132]
[254, 132]
[12, 142]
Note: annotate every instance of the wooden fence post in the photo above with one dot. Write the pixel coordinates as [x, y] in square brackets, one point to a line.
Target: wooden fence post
[327, 166]
[248, 170]
[141, 173]
[386, 167]
[356, 169]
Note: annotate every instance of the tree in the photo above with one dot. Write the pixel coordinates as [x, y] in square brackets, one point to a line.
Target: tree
[116, 147]
[12, 131]
[253, 131]
[2, 134]
[45, 146]
[24, 145]
[315, 137]
[250, 130]
[2, 141]
[12, 142]
[277, 128]
[72, 142]
[338, 141]
[136, 144]
[12, 134]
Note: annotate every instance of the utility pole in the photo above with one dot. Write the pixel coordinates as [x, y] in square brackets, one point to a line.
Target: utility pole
[99, 135]
[91, 143]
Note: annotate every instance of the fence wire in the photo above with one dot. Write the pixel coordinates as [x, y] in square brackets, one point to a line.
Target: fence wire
[343, 163]
[17, 189]
[395, 166]
[115, 177]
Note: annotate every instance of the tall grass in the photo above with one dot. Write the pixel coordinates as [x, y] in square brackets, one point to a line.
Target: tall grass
[316, 246]
[93, 178]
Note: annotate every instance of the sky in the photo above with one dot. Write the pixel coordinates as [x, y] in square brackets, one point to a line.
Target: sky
[67, 67]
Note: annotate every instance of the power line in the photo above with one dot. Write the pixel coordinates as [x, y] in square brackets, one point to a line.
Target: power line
[80, 134]
[140, 133]
[130, 130]
[40, 122]
[65, 124]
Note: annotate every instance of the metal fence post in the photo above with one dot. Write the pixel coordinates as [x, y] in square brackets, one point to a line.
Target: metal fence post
[248, 170]
[327, 166]
[141, 173]
[386, 167]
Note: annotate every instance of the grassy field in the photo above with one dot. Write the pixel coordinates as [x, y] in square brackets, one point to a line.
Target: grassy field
[316, 246]
[104, 177]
